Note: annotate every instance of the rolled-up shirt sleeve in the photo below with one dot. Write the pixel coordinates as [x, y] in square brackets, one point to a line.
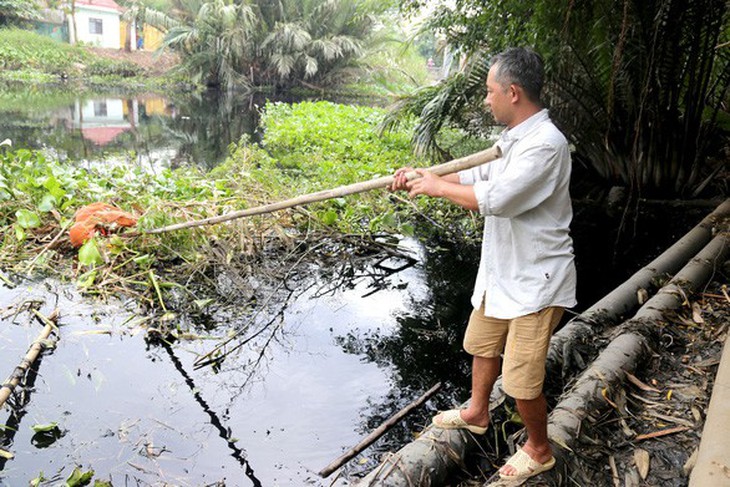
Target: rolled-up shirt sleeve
[480, 173]
[529, 179]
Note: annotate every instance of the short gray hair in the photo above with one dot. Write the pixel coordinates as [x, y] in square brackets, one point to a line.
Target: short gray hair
[523, 67]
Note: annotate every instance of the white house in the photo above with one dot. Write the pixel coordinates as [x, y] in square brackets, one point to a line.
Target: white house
[97, 22]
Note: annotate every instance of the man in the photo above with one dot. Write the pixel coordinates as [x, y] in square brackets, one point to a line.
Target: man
[526, 273]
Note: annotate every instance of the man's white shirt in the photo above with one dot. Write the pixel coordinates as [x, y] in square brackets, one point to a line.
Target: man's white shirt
[527, 260]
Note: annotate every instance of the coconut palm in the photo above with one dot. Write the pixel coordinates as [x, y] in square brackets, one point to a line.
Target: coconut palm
[216, 43]
[315, 41]
[284, 42]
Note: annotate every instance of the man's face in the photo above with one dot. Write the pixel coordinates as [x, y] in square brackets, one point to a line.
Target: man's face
[499, 98]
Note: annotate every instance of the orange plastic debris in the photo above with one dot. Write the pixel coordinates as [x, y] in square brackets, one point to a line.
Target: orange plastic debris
[98, 217]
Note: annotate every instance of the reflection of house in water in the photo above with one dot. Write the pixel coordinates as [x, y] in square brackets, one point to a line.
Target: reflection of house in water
[103, 119]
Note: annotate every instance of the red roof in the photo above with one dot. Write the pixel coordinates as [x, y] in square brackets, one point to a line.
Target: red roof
[100, 3]
[102, 135]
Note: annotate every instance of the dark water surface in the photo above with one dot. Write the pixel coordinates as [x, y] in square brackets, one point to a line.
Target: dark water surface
[273, 414]
[323, 371]
[172, 129]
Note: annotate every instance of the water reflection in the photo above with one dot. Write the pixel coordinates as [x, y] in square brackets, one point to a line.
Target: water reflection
[174, 130]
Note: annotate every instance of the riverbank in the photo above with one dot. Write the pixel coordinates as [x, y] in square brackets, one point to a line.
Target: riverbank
[30, 58]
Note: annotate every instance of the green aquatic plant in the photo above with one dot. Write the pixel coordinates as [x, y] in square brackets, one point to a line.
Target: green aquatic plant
[306, 147]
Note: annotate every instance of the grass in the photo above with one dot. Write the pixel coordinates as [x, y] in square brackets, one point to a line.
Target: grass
[31, 58]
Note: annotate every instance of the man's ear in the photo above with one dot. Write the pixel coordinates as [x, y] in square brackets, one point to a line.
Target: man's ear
[515, 93]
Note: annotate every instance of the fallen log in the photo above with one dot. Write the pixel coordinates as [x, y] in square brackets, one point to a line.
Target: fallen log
[624, 299]
[627, 349]
[414, 460]
[35, 349]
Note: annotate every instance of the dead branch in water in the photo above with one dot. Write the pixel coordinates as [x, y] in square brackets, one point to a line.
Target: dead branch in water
[35, 349]
[377, 433]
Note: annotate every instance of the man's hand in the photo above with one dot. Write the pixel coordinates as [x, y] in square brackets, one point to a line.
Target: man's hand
[399, 179]
[428, 184]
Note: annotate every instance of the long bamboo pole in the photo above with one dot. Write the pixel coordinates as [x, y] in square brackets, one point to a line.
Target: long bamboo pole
[453, 166]
[35, 349]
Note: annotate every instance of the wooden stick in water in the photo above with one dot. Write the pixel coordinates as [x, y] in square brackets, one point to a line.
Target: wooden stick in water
[377, 433]
[35, 349]
[456, 165]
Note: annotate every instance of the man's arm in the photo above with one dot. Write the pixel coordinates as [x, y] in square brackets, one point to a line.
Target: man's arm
[447, 187]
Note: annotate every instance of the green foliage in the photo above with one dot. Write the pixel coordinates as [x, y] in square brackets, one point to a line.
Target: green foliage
[259, 43]
[307, 147]
[640, 88]
[108, 67]
[44, 428]
[16, 11]
[79, 478]
[23, 49]
[321, 145]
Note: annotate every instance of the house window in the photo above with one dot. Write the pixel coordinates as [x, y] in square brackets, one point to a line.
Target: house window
[100, 109]
[95, 26]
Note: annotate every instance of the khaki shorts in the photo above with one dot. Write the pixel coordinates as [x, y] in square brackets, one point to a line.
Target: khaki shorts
[525, 342]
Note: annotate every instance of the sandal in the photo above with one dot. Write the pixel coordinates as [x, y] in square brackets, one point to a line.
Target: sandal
[451, 420]
[525, 466]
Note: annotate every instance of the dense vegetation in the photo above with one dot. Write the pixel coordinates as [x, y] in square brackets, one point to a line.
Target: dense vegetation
[283, 44]
[307, 147]
[640, 88]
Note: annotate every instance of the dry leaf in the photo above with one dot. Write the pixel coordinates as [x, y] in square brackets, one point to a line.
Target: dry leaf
[642, 296]
[614, 471]
[604, 393]
[696, 414]
[697, 313]
[691, 461]
[657, 434]
[641, 459]
[644, 387]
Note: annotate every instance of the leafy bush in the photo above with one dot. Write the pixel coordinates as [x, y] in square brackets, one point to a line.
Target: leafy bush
[108, 67]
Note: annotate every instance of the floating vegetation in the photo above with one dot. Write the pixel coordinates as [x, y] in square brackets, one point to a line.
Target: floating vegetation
[307, 147]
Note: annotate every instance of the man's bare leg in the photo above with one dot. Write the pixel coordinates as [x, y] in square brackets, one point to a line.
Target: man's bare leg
[534, 414]
[484, 374]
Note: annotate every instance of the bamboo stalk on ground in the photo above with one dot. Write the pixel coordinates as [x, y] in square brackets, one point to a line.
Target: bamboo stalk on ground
[450, 167]
[623, 299]
[627, 349]
[35, 349]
